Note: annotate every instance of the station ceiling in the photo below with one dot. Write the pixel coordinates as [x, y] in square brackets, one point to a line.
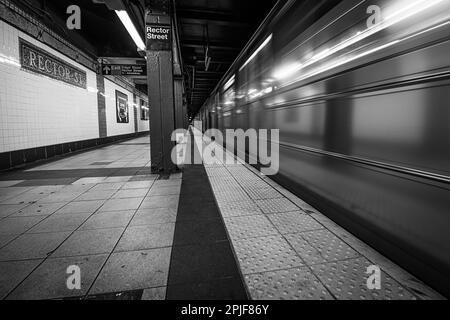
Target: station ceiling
[222, 26]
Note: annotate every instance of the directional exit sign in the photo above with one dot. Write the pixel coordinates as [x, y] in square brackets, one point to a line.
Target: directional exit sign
[125, 70]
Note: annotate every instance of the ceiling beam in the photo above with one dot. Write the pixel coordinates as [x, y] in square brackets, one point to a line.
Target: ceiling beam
[214, 61]
[214, 45]
[219, 17]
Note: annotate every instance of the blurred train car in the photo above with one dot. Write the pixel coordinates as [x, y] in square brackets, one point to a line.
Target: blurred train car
[360, 91]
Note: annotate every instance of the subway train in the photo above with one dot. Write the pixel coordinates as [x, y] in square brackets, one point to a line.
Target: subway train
[360, 91]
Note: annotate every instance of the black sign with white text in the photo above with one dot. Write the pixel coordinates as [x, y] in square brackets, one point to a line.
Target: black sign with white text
[39, 61]
[159, 37]
[123, 70]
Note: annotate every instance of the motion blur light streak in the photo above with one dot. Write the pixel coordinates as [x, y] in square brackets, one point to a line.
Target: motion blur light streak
[397, 16]
[92, 90]
[345, 61]
[229, 83]
[262, 46]
[10, 61]
[287, 71]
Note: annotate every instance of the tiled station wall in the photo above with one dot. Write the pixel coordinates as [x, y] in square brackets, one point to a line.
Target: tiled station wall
[36, 111]
[114, 128]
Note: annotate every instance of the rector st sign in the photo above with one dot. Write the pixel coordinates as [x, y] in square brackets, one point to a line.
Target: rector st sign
[39, 61]
[159, 37]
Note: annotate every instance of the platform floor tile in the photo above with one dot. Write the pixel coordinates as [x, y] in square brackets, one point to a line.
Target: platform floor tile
[154, 294]
[101, 210]
[320, 246]
[238, 209]
[234, 196]
[125, 271]
[7, 210]
[265, 254]
[293, 222]
[249, 227]
[291, 284]
[49, 280]
[308, 256]
[347, 280]
[276, 205]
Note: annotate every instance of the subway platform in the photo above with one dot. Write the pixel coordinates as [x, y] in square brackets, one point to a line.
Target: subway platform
[209, 232]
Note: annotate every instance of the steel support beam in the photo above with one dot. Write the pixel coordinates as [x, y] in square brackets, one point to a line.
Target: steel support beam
[160, 66]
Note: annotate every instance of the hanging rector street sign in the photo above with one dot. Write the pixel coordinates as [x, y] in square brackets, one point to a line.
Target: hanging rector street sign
[159, 37]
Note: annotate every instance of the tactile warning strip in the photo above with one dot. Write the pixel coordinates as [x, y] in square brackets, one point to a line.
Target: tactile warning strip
[265, 254]
[276, 205]
[249, 227]
[231, 197]
[347, 280]
[288, 250]
[320, 246]
[263, 193]
[237, 209]
[294, 222]
[291, 284]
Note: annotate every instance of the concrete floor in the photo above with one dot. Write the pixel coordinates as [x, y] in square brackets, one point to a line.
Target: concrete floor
[218, 232]
[102, 211]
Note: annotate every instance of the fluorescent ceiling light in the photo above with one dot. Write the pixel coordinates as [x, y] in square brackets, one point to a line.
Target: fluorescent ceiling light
[125, 18]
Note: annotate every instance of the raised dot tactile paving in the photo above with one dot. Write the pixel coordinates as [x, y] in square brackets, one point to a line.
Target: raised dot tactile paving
[234, 196]
[293, 222]
[292, 284]
[228, 187]
[347, 280]
[273, 262]
[276, 205]
[249, 227]
[263, 193]
[320, 247]
[307, 252]
[265, 254]
[218, 172]
[237, 209]
[330, 246]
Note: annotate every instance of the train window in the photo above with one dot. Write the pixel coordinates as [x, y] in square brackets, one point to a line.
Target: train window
[228, 99]
[144, 111]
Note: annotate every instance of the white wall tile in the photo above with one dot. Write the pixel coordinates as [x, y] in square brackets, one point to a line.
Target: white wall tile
[114, 128]
[39, 111]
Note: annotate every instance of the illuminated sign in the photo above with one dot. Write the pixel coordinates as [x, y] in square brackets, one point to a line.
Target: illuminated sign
[41, 62]
[159, 37]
